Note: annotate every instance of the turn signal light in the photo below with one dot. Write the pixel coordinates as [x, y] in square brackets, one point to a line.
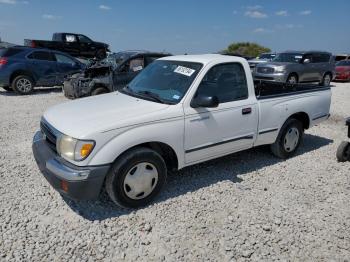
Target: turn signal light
[64, 186]
[86, 150]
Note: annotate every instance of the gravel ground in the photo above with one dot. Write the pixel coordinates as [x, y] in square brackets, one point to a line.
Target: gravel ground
[246, 206]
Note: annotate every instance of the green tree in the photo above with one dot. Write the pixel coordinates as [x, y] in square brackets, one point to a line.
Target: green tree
[246, 49]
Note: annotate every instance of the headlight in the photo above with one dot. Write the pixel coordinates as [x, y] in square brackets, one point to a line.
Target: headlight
[74, 149]
[280, 69]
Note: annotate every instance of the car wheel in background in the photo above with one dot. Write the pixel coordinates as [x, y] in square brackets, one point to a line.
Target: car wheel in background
[7, 88]
[23, 85]
[343, 152]
[326, 80]
[136, 177]
[292, 79]
[288, 139]
[101, 54]
[99, 91]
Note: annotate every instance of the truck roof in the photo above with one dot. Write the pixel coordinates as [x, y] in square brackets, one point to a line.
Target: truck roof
[205, 59]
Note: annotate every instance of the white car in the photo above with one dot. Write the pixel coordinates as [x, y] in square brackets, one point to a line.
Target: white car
[179, 111]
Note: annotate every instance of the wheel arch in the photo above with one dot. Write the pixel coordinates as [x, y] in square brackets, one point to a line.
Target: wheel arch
[302, 117]
[21, 72]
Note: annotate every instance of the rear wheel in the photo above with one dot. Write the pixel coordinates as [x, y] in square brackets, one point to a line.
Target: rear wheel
[136, 177]
[7, 88]
[326, 80]
[23, 85]
[99, 91]
[292, 79]
[343, 152]
[288, 139]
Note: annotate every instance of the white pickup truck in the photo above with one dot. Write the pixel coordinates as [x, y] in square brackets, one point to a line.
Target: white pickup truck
[179, 111]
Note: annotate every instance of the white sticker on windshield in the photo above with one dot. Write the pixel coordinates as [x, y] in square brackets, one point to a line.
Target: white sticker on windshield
[137, 68]
[184, 70]
[176, 97]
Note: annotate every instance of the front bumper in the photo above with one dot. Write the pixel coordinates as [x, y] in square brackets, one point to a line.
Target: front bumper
[4, 81]
[81, 183]
[277, 77]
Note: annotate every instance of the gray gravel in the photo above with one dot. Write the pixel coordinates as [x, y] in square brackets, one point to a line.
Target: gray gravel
[246, 206]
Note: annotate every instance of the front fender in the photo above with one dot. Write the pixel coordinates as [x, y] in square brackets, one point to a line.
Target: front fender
[169, 132]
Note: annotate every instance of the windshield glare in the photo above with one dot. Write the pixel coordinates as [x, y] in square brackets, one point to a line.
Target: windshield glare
[288, 57]
[267, 56]
[168, 80]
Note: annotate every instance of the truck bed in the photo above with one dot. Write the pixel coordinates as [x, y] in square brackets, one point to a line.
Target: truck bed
[269, 89]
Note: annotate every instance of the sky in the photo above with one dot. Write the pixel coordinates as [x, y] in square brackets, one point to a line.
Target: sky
[184, 26]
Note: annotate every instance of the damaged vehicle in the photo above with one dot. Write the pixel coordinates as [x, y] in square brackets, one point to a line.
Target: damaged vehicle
[110, 74]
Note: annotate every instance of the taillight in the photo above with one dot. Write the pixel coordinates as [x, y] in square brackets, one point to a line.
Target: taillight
[32, 44]
[3, 61]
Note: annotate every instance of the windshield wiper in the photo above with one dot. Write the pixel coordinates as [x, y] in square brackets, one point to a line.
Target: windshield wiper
[151, 95]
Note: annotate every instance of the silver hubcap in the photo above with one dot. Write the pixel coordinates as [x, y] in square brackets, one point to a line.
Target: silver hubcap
[140, 180]
[24, 85]
[327, 80]
[292, 80]
[291, 139]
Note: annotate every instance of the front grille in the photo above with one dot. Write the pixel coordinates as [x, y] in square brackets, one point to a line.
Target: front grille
[265, 70]
[49, 135]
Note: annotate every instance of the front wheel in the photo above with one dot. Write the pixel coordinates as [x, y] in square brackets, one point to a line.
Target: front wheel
[136, 177]
[101, 54]
[326, 80]
[288, 139]
[292, 79]
[99, 91]
[343, 152]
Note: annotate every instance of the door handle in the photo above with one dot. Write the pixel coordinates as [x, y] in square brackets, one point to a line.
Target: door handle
[246, 111]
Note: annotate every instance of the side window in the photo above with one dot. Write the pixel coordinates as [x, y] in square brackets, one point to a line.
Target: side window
[325, 58]
[226, 81]
[71, 38]
[83, 39]
[41, 55]
[64, 59]
[136, 64]
[310, 57]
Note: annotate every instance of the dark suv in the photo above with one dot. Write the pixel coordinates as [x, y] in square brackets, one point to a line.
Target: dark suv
[298, 67]
[23, 68]
[110, 74]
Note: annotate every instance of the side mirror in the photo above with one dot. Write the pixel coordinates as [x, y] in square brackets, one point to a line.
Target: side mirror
[205, 101]
[306, 61]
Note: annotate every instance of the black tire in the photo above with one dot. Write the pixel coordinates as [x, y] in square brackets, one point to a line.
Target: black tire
[7, 88]
[99, 91]
[17, 87]
[326, 80]
[343, 152]
[292, 79]
[280, 149]
[124, 166]
[101, 54]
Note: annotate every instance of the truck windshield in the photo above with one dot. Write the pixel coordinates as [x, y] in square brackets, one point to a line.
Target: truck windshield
[164, 81]
[288, 58]
[267, 56]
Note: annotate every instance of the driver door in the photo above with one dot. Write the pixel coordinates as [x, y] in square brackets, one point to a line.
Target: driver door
[212, 132]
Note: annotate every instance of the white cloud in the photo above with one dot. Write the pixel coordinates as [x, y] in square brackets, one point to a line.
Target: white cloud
[305, 12]
[289, 26]
[255, 14]
[51, 17]
[235, 12]
[261, 30]
[254, 7]
[104, 7]
[282, 13]
[8, 2]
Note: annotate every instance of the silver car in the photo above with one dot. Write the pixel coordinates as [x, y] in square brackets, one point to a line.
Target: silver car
[298, 67]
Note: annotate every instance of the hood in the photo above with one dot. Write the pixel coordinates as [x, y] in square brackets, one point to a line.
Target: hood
[102, 44]
[82, 117]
